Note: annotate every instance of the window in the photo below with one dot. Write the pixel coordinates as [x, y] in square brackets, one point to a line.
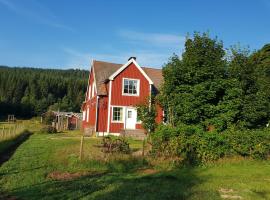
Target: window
[89, 92]
[117, 114]
[93, 90]
[131, 87]
[129, 114]
[84, 115]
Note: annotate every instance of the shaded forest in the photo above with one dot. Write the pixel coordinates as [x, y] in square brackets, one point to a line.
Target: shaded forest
[28, 92]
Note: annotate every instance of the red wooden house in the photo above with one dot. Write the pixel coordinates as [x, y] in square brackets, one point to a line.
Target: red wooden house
[113, 92]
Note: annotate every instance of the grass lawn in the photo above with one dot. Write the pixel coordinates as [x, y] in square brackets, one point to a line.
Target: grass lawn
[47, 167]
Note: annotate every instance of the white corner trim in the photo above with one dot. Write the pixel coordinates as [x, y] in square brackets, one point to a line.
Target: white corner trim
[96, 113]
[109, 107]
[87, 91]
[94, 76]
[138, 87]
[150, 96]
[126, 65]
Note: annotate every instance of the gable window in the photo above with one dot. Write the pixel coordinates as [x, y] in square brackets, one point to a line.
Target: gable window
[131, 87]
[117, 114]
[93, 90]
[89, 92]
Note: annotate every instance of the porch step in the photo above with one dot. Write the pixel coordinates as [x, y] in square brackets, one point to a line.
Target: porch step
[138, 134]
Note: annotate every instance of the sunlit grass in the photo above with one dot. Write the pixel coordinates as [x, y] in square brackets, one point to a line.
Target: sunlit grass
[119, 176]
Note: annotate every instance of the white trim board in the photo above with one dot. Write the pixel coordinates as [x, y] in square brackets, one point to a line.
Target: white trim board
[109, 107]
[126, 65]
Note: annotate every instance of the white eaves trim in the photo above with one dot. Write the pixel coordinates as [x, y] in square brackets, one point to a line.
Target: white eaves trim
[126, 65]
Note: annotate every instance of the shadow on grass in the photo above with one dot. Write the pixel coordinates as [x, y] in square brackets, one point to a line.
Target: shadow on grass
[8, 147]
[176, 184]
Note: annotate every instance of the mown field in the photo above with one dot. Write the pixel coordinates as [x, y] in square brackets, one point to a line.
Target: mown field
[48, 167]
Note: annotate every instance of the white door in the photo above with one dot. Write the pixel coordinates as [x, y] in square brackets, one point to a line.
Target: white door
[131, 118]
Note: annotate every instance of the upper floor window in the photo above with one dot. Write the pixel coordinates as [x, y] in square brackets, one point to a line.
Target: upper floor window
[89, 92]
[93, 90]
[131, 87]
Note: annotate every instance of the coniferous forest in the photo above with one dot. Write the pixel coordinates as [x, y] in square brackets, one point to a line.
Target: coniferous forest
[28, 92]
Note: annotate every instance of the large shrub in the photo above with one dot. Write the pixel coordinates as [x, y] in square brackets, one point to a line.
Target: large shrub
[194, 145]
[254, 143]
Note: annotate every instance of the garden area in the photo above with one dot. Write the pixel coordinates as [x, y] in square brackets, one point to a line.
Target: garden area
[47, 166]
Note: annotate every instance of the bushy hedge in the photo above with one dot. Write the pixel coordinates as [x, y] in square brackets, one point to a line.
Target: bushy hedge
[195, 145]
[49, 129]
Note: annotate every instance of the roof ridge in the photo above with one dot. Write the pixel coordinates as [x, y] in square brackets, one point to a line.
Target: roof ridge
[108, 62]
[152, 68]
[123, 64]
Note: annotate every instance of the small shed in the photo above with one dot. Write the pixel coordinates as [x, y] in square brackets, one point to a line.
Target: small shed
[64, 120]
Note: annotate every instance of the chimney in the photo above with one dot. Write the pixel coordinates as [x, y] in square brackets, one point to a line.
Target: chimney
[132, 58]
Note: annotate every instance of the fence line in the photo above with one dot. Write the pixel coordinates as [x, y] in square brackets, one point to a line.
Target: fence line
[10, 131]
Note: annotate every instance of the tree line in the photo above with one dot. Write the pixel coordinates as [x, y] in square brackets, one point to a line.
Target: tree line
[28, 92]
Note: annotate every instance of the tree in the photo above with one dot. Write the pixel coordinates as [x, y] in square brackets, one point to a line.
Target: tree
[147, 114]
[250, 73]
[195, 85]
[27, 92]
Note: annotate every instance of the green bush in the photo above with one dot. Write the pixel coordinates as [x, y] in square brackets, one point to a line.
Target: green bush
[49, 129]
[48, 118]
[254, 143]
[196, 146]
[115, 144]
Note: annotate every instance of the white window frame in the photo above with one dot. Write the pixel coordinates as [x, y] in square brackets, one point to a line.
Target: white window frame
[89, 92]
[123, 114]
[84, 113]
[93, 90]
[138, 87]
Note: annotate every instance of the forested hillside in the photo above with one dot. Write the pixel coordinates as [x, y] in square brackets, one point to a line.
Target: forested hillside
[27, 92]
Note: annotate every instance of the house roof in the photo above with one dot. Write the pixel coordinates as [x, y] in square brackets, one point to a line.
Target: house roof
[64, 114]
[103, 70]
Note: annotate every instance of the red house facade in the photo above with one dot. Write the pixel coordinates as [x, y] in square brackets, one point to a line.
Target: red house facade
[113, 92]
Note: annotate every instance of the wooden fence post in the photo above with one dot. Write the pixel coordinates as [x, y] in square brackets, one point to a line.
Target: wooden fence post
[3, 129]
[143, 147]
[9, 131]
[3, 133]
[15, 129]
[81, 148]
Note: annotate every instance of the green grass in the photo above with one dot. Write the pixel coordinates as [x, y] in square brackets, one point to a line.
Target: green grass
[25, 175]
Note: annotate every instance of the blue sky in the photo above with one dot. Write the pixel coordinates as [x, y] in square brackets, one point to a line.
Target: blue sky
[69, 34]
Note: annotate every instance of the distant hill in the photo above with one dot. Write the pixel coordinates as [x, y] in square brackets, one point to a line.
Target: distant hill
[27, 92]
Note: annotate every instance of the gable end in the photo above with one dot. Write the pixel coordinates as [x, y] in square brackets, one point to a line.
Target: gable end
[126, 65]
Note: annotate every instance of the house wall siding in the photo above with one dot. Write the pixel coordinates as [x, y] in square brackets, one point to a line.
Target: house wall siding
[102, 114]
[118, 99]
[90, 104]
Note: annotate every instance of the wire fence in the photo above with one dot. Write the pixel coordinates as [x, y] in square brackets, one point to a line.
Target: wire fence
[10, 130]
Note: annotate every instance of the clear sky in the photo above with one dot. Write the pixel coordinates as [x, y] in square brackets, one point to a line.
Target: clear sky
[69, 33]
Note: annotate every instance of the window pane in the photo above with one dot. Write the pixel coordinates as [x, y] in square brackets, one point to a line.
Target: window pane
[125, 82]
[129, 114]
[130, 86]
[117, 114]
